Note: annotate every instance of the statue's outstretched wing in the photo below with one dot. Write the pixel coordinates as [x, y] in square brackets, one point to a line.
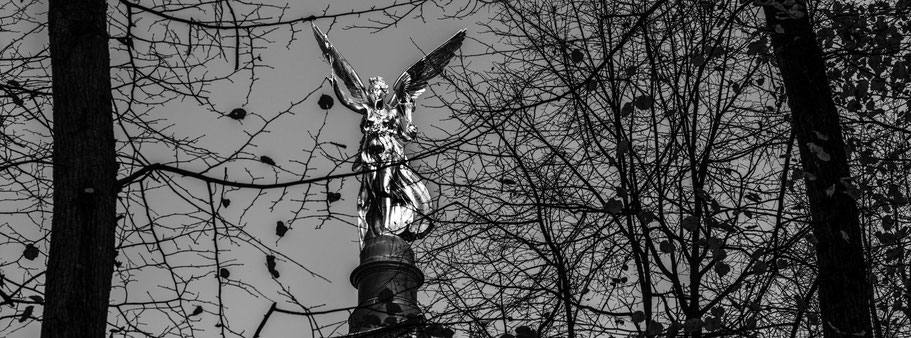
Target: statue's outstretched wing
[414, 81]
[341, 67]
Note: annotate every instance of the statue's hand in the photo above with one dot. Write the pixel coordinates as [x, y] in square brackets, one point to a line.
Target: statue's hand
[411, 131]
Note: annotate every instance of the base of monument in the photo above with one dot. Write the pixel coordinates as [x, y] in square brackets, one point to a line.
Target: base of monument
[387, 282]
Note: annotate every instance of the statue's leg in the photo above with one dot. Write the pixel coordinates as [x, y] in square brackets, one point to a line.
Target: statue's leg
[363, 209]
[371, 208]
[396, 217]
[385, 201]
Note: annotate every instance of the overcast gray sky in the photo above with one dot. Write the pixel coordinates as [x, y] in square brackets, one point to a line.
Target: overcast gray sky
[331, 251]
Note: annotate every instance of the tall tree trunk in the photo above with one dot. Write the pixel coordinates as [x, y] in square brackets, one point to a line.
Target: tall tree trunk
[81, 258]
[843, 284]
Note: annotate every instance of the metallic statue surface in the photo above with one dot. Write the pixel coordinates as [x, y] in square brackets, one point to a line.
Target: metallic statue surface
[392, 198]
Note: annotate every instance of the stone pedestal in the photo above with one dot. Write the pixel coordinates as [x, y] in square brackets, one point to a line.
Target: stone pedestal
[387, 282]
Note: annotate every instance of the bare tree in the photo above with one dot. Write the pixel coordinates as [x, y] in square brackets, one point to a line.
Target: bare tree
[844, 287]
[621, 169]
[137, 194]
[631, 169]
[81, 256]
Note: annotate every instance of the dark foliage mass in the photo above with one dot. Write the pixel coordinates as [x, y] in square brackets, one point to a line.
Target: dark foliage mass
[325, 101]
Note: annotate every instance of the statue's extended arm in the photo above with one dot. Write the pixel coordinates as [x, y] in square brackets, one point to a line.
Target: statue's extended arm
[344, 99]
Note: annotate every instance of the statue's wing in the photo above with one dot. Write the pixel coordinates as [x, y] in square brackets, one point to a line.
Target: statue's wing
[341, 67]
[414, 81]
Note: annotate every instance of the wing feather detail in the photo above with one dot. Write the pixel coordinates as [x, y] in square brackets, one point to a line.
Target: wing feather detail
[341, 67]
[413, 82]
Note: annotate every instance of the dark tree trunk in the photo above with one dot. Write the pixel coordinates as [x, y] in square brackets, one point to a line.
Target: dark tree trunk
[843, 284]
[80, 264]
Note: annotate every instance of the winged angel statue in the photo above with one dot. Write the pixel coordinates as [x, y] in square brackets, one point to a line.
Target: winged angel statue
[392, 198]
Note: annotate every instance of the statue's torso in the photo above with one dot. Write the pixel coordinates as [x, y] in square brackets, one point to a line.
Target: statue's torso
[381, 139]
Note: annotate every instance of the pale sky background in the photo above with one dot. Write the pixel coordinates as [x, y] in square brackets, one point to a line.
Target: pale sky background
[331, 251]
[297, 68]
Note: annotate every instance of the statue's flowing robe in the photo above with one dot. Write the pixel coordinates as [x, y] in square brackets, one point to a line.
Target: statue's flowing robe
[392, 199]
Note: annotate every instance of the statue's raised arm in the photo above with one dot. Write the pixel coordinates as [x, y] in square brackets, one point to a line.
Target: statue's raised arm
[342, 69]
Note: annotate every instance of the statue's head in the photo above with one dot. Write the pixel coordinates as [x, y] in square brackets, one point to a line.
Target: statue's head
[377, 89]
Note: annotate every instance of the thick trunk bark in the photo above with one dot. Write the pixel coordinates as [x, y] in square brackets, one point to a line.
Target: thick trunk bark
[81, 258]
[843, 284]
